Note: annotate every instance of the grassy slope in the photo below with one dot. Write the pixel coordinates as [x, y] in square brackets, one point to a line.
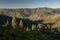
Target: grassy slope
[53, 19]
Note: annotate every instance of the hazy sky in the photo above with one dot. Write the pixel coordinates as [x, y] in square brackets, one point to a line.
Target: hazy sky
[29, 3]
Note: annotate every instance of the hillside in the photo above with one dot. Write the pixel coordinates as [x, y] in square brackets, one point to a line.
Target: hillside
[53, 19]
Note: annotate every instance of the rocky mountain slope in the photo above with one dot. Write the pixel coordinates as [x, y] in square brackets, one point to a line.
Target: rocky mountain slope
[48, 15]
[29, 13]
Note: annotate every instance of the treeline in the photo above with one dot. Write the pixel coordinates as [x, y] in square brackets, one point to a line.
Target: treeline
[14, 23]
[17, 31]
[18, 24]
[28, 26]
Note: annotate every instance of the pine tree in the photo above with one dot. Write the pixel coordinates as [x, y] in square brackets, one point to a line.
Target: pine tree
[13, 21]
[39, 27]
[27, 29]
[21, 24]
[7, 23]
[49, 26]
[33, 27]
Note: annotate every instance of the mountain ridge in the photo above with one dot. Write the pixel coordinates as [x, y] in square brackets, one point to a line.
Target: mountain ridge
[27, 13]
[45, 14]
